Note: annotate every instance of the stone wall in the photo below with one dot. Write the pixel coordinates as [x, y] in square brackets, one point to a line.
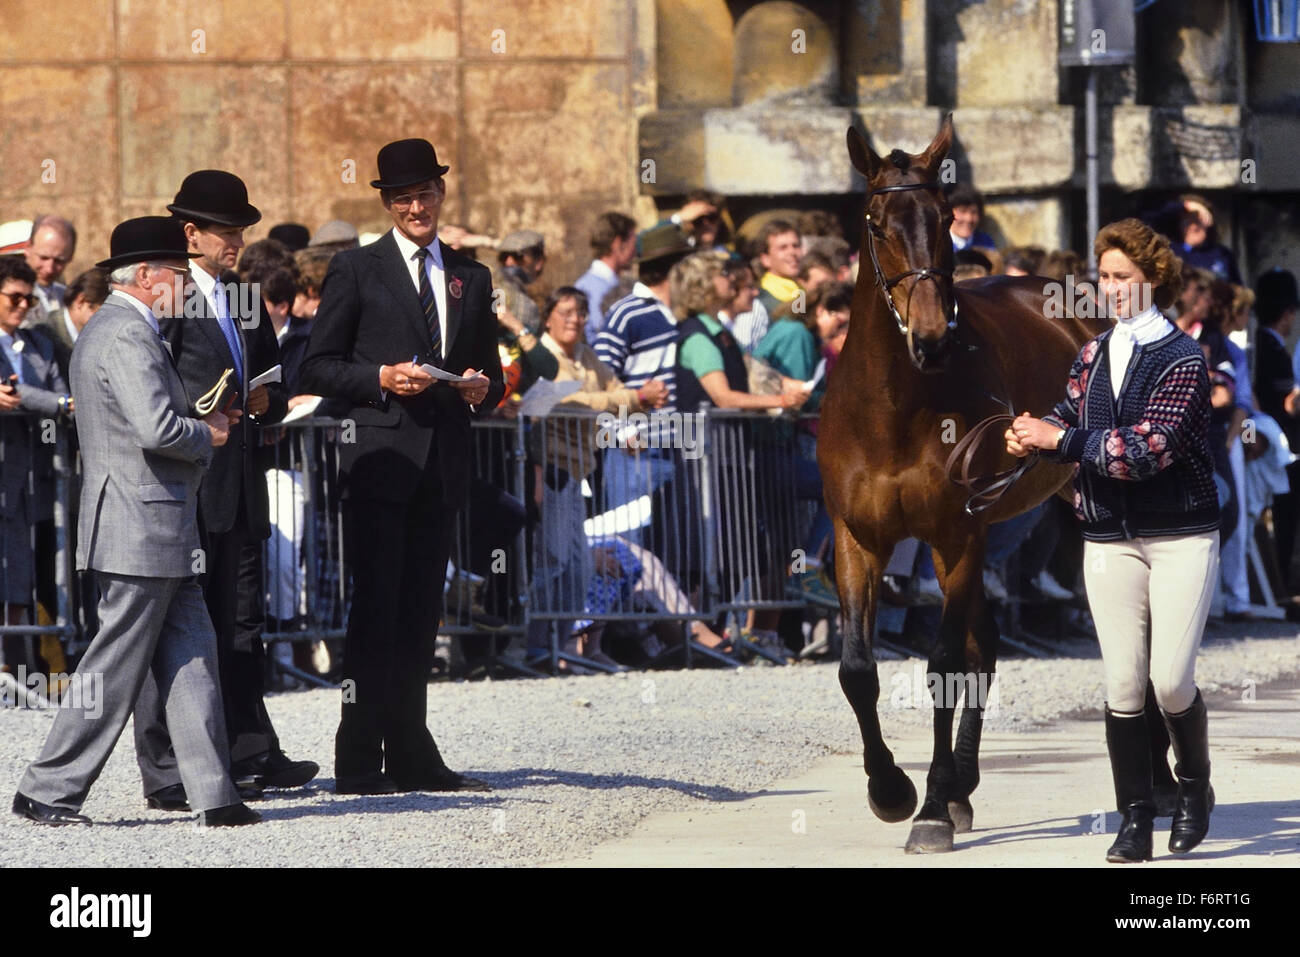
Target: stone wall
[107, 104]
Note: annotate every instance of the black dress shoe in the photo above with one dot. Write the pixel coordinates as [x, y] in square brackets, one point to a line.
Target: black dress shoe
[232, 815]
[444, 780]
[172, 798]
[45, 813]
[274, 769]
[373, 783]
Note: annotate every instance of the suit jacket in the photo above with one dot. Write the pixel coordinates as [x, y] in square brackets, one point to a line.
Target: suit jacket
[63, 343]
[370, 316]
[1274, 380]
[142, 455]
[202, 355]
[24, 452]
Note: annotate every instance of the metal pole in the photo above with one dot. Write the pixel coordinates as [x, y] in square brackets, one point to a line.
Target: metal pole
[1090, 160]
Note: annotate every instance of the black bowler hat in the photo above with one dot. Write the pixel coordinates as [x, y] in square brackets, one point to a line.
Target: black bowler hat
[145, 239]
[407, 162]
[214, 196]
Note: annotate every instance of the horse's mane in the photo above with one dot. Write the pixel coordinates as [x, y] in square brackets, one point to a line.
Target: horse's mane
[901, 160]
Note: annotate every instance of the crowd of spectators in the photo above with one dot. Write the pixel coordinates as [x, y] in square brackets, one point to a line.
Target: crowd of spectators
[688, 312]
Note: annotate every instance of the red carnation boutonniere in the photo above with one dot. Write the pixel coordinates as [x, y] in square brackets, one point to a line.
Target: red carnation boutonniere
[455, 287]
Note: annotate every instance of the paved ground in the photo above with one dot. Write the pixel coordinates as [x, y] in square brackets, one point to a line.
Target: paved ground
[1045, 800]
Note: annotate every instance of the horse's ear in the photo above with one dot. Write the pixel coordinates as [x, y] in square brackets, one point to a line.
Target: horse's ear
[938, 149]
[864, 158]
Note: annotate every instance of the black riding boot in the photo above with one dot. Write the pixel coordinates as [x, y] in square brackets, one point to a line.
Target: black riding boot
[1189, 732]
[1130, 764]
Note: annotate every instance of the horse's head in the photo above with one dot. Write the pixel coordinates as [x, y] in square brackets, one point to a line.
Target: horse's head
[905, 244]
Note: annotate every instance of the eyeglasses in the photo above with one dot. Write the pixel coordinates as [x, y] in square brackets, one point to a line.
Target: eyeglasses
[17, 299]
[426, 197]
[179, 270]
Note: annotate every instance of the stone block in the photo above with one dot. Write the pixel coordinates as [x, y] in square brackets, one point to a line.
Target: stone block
[693, 53]
[546, 128]
[188, 117]
[344, 30]
[342, 115]
[1195, 146]
[1031, 221]
[75, 31]
[1000, 52]
[558, 29]
[784, 54]
[200, 32]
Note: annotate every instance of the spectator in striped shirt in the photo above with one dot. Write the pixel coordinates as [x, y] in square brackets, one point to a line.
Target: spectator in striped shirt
[639, 343]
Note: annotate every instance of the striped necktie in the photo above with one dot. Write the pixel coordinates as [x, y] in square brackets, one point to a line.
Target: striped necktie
[428, 303]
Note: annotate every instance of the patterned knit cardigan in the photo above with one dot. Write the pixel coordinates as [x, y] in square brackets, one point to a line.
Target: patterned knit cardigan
[1144, 461]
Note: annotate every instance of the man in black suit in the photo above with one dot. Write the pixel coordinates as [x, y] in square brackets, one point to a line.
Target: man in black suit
[224, 326]
[1278, 395]
[387, 308]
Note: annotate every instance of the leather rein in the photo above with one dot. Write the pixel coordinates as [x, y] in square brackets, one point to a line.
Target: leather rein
[983, 491]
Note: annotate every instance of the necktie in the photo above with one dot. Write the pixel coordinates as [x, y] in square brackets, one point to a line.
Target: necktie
[428, 303]
[228, 330]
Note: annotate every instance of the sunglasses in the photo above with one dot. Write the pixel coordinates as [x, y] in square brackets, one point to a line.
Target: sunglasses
[17, 299]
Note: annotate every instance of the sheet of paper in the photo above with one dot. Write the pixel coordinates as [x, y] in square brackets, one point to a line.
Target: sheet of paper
[272, 374]
[544, 394]
[208, 400]
[303, 411]
[817, 376]
[444, 375]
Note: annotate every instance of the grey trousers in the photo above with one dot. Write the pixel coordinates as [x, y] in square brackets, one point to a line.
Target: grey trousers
[145, 623]
[1169, 579]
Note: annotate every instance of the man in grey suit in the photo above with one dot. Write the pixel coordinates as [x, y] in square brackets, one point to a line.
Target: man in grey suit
[142, 458]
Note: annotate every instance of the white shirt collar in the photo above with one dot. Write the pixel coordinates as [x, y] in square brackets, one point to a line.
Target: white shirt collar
[69, 325]
[126, 298]
[642, 291]
[1147, 326]
[408, 248]
[601, 269]
[207, 285]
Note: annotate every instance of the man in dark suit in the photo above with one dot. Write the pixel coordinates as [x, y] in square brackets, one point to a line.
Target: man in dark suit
[387, 308]
[223, 327]
[1278, 395]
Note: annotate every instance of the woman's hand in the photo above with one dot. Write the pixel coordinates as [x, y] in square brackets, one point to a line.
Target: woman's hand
[1027, 433]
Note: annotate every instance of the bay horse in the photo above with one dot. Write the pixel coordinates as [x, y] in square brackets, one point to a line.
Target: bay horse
[923, 362]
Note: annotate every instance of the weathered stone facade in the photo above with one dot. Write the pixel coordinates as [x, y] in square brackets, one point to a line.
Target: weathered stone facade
[554, 110]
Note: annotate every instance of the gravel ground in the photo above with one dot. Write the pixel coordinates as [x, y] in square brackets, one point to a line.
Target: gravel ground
[574, 761]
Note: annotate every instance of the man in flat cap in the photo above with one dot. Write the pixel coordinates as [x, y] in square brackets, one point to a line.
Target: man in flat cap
[403, 301]
[521, 257]
[225, 326]
[143, 454]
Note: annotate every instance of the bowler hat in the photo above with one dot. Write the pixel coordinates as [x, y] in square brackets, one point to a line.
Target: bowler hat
[660, 242]
[214, 196]
[407, 162]
[144, 239]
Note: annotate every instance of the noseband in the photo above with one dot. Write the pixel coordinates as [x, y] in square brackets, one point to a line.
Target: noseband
[886, 284]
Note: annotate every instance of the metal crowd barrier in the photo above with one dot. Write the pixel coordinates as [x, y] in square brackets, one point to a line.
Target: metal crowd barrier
[643, 520]
[38, 486]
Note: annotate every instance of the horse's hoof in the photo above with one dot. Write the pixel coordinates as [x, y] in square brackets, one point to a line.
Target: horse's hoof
[894, 799]
[962, 814]
[930, 837]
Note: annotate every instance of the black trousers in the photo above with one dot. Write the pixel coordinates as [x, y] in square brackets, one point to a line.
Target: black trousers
[398, 556]
[1286, 512]
[233, 592]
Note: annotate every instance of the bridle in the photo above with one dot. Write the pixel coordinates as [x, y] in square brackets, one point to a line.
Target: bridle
[983, 492]
[888, 283]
